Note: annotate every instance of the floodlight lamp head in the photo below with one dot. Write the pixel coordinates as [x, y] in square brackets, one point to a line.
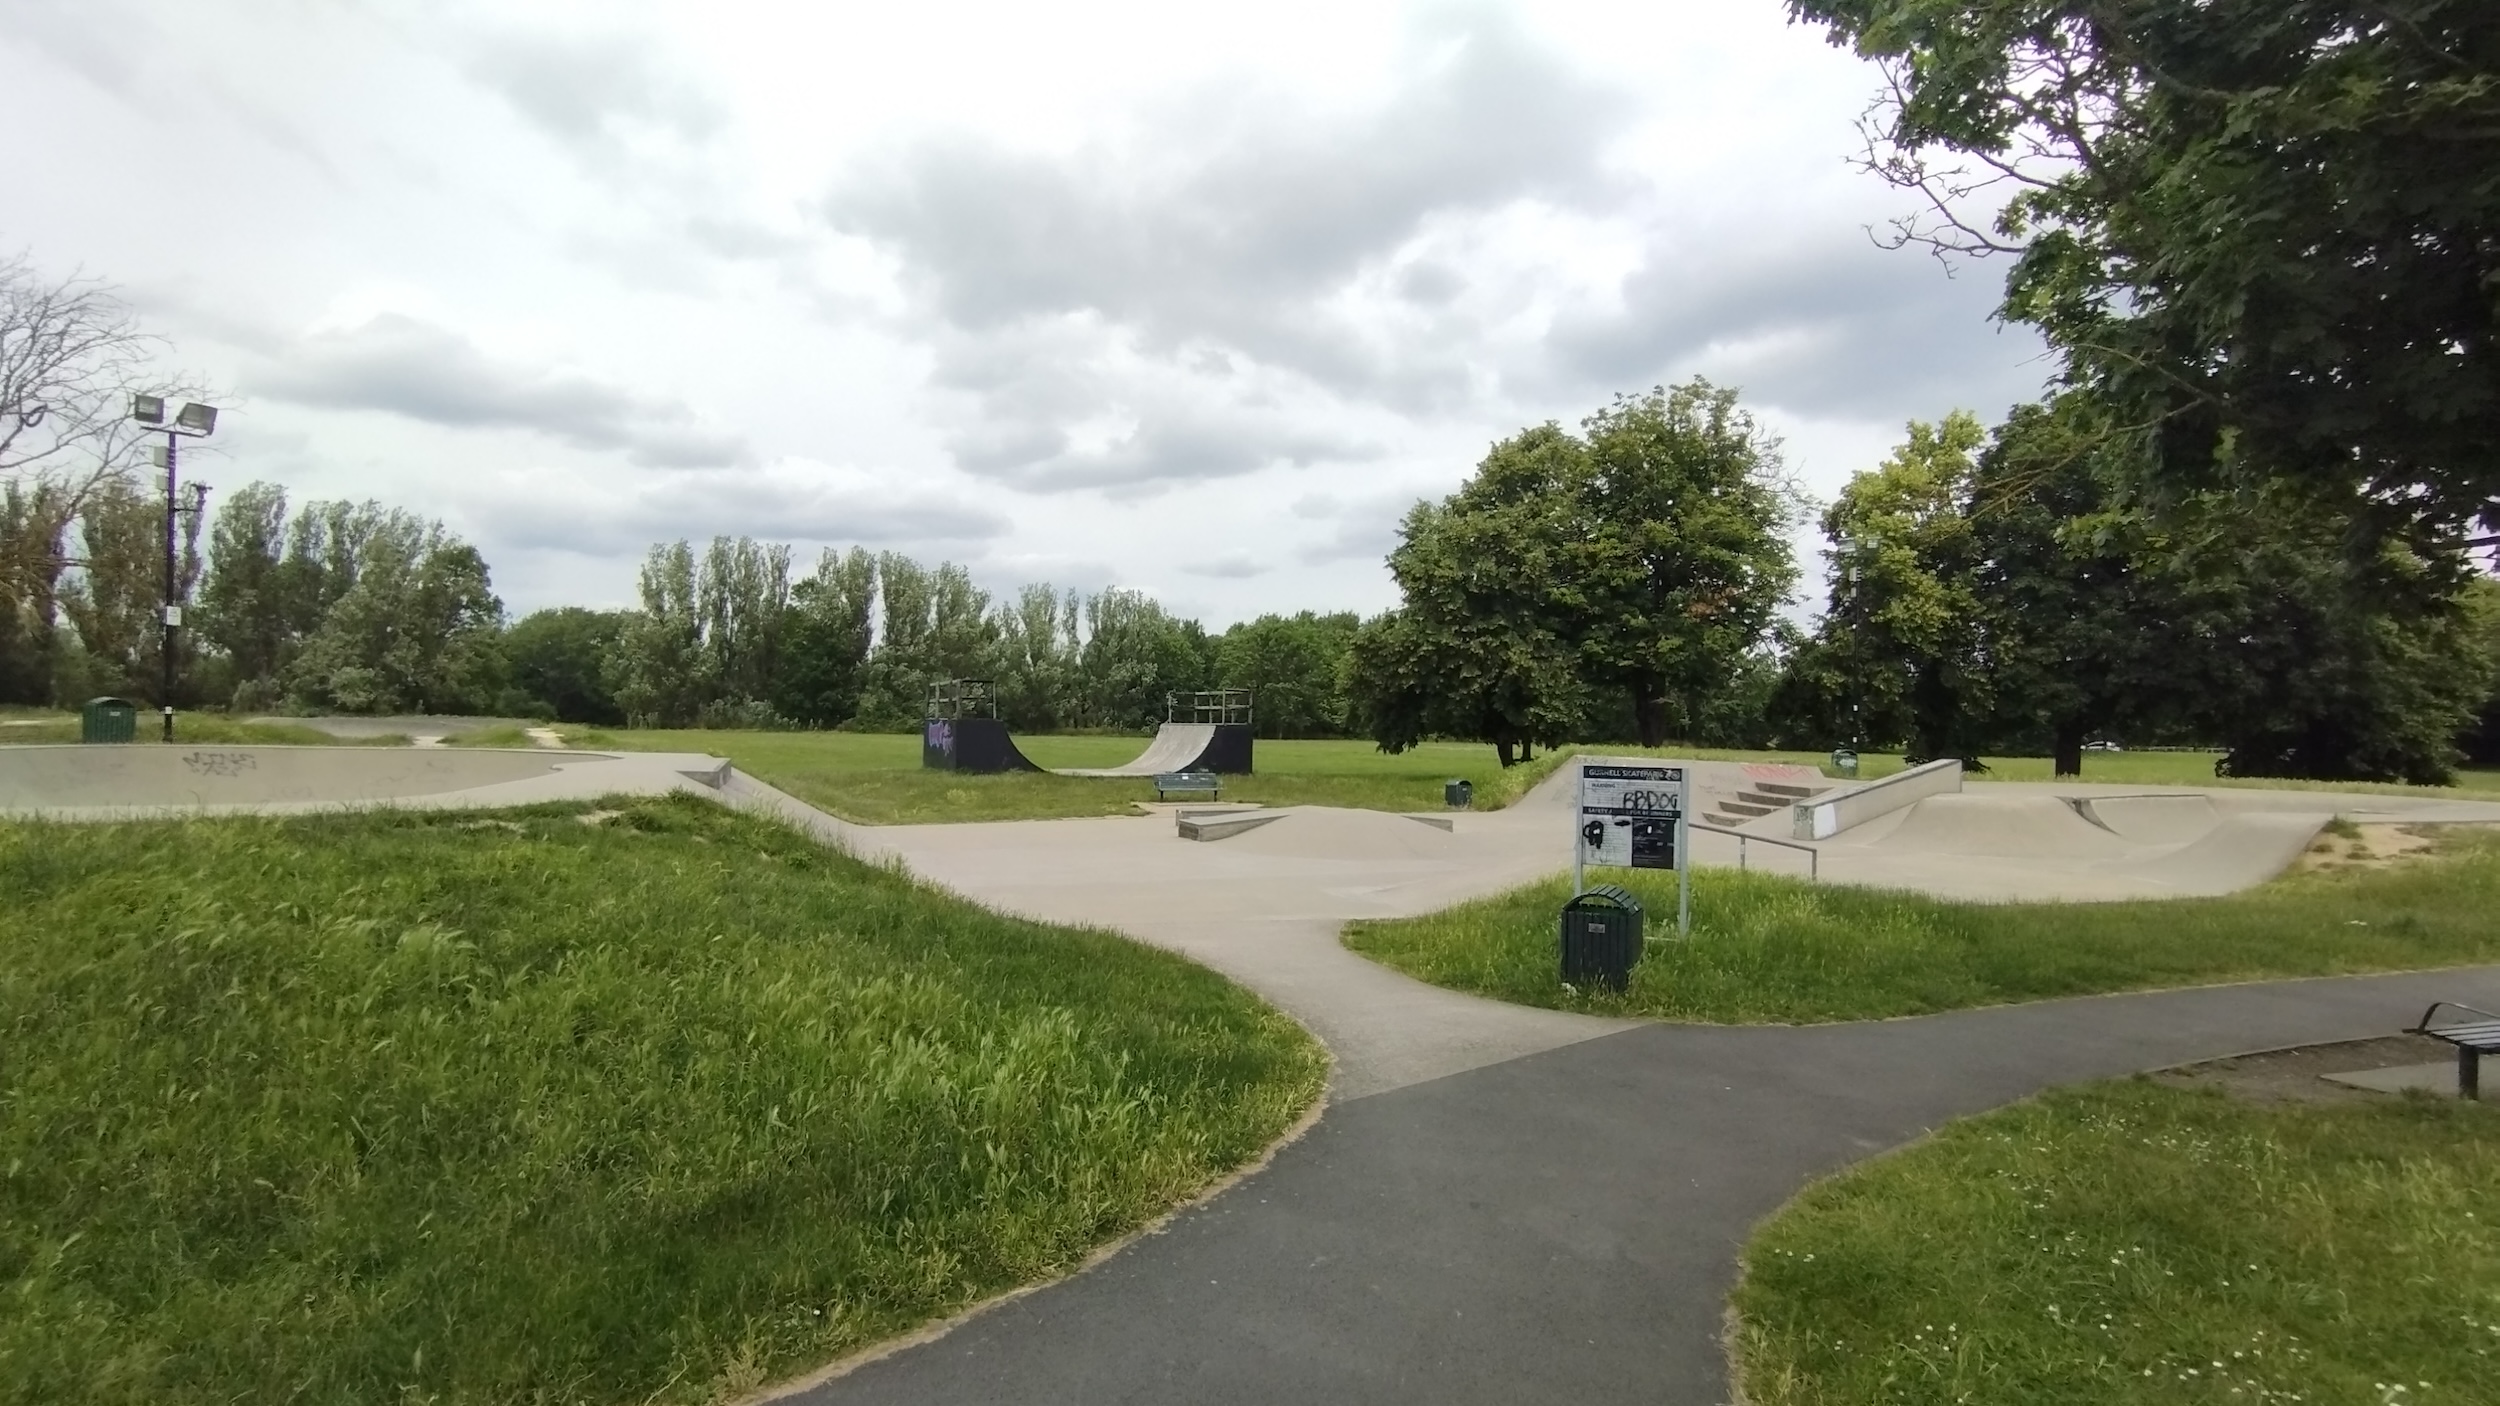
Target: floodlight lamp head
[197, 418]
[148, 409]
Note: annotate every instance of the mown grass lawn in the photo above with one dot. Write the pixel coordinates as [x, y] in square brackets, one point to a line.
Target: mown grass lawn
[877, 779]
[2133, 1243]
[1770, 948]
[190, 730]
[516, 1108]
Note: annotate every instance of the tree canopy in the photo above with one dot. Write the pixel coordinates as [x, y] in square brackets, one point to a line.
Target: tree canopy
[2266, 233]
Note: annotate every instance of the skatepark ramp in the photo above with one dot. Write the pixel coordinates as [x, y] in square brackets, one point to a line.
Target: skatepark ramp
[1218, 747]
[111, 782]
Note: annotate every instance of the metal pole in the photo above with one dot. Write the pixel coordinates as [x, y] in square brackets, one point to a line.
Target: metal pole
[165, 698]
[1579, 847]
[1684, 854]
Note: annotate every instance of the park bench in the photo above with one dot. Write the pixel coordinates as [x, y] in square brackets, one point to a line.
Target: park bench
[1167, 782]
[2474, 1033]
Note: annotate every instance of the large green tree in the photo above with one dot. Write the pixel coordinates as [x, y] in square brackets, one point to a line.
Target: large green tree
[1294, 667]
[419, 631]
[558, 661]
[2266, 233]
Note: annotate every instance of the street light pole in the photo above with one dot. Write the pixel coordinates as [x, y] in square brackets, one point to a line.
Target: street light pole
[195, 421]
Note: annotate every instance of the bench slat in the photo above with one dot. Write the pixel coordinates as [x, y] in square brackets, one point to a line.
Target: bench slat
[2482, 1034]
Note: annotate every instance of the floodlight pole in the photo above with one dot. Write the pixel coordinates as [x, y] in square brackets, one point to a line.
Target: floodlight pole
[165, 696]
[196, 421]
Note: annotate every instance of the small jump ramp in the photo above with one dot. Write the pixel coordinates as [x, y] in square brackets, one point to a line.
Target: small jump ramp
[1202, 732]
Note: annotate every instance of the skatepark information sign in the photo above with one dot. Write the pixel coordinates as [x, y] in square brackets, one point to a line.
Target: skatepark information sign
[1632, 817]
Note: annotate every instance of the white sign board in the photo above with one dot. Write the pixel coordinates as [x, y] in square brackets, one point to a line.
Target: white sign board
[1632, 817]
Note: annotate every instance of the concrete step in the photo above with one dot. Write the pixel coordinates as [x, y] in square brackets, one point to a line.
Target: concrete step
[1787, 793]
[1748, 809]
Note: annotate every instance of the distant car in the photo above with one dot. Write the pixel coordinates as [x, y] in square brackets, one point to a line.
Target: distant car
[2102, 747]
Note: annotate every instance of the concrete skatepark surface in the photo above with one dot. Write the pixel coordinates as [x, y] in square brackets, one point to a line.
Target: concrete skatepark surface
[408, 725]
[106, 783]
[1500, 1204]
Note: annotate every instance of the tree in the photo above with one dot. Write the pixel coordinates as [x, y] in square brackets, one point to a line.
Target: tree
[116, 591]
[70, 357]
[244, 609]
[2307, 663]
[1294, 667]
[419, 631]
[1899, 652]
[2263, 232]
[2481, 743]
[825, 641]
[558, 660]
[1678, 549]
[657, 672]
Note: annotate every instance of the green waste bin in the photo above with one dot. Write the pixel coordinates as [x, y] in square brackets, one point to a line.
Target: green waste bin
[108, 720]
[1601, 938]
[1845, 762]
[1458, 795]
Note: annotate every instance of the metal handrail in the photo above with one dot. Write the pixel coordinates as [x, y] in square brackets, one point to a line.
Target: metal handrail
[1814, 857]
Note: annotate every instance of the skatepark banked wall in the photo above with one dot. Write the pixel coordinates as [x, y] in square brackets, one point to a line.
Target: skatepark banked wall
[985, 745]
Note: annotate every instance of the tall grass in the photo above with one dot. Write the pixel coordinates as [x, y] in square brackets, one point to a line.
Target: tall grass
[1771, 948]
[2131, 1243]
[507, 1108]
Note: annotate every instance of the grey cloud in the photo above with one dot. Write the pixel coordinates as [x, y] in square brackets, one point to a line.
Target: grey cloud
[424, 372]
[1208, 258]
[1832, 327]
[774, 506]
[588, 91]
[1365, 528]
[1229, 568]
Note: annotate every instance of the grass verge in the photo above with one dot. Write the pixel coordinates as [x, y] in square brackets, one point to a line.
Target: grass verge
[1770, 948]
[2132, 1243]
[194, 730]
[498, 1108]
[877, 779]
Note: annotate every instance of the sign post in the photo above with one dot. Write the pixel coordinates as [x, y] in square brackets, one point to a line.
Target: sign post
[1633, 817]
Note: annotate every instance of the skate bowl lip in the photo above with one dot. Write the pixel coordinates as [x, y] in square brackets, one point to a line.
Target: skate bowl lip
[71, 781]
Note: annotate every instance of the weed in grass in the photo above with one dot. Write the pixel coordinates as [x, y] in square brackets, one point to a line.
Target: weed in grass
[2130, 1243]
[399, 1105]
[1770, 948]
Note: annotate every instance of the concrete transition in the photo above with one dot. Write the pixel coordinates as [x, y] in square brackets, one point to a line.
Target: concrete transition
[1224, 748]
[1502, 1204]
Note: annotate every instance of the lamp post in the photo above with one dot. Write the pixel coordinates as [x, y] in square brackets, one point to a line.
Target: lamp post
[193, 421]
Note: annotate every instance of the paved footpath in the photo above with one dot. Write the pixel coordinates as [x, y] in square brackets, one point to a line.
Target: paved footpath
[1500, 1204]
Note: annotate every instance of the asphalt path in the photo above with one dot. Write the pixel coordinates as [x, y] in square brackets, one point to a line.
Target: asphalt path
[1562, 1226]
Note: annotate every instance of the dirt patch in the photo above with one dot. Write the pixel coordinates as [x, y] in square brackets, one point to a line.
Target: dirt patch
[2299, 1075]
[2349, 846]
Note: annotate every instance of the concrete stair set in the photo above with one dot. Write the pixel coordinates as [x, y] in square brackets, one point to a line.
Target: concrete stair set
[1758, 799]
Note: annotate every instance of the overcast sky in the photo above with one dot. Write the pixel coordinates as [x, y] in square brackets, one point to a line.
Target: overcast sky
[1147, 295]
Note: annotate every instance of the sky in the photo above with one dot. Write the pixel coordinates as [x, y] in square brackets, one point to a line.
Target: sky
[1196, 300]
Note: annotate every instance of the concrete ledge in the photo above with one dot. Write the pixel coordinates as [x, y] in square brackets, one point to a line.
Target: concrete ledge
[1222, 826]
[1820, 820]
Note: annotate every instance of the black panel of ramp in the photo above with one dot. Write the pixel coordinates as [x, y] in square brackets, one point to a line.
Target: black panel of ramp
[970, 744]
[1227, 753]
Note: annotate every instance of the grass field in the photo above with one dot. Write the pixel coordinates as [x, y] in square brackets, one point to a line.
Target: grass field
[2132, 1243]
[876, 778]
[1771, 948]
[28, 728]
[462, 1108]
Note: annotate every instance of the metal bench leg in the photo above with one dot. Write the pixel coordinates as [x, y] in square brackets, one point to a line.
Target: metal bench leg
[2469, 1072]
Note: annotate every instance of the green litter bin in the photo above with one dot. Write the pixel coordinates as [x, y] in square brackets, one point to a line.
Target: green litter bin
[108, 720]
[1601, 938]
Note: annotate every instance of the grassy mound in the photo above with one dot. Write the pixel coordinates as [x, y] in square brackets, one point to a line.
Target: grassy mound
[1770, 948]
[515, 1107]
[2133, 1243]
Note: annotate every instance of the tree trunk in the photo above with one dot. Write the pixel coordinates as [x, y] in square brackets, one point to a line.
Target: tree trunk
[1649, 717]
[1502, 749]
[2069, 747]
